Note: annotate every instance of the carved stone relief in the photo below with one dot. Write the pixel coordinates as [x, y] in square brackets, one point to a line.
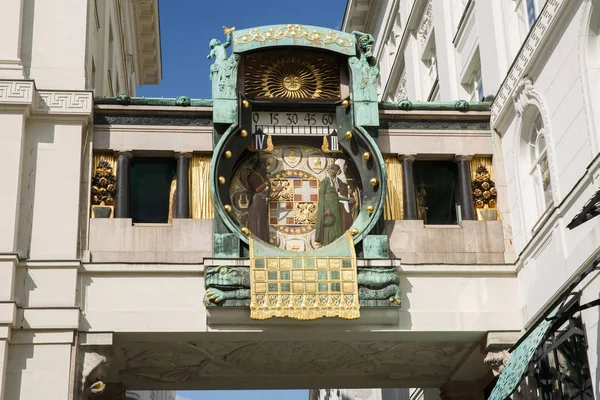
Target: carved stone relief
[426, 24]
[497, 360]
[190, 361]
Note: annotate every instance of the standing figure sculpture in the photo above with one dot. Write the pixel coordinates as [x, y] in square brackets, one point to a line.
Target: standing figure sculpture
[224, 69]
[344, 193]
[258, 209]
[330, 224]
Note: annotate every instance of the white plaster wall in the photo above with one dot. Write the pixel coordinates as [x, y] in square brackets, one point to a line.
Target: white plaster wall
[11, 147]
[143, 302]
[53, 43]
[51, 176]
[38, 370]
[549, 253]
[168, 298]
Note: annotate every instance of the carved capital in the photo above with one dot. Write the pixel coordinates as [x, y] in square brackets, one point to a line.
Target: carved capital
[522, 94]
[497, 360]
[95, 363]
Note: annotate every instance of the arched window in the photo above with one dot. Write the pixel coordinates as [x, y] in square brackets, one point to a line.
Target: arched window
[534, 167]
[540, 171]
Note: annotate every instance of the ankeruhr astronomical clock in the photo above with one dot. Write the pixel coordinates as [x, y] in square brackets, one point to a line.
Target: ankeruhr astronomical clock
[297, 178]
[292, 232]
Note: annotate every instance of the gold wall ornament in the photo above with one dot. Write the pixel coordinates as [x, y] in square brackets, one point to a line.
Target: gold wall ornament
[228, 30]
[345, 103]
[292, 75]
[370, 209]
[222, 180]
[245, 103]
[354, 231]
[104, 183]
[244, 133]
[227, 154]
[245, 231]
[374, 181]
[294, 31]
[348, 135]
[201, 201]
[270, 145]
[484, 188]
[227, 208]
[367, 155]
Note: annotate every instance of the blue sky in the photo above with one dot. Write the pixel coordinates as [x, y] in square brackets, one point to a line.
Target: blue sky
[188, 25]
[186, 28]
[244, 395]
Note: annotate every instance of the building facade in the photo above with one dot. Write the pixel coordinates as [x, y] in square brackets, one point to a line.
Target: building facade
[537, 59]
[54, 57]
[361, 221]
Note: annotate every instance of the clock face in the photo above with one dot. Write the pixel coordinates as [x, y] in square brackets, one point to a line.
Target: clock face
[294, 123]
[296, 196]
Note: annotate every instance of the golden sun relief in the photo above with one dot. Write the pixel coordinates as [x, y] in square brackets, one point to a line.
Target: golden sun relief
[303, 75]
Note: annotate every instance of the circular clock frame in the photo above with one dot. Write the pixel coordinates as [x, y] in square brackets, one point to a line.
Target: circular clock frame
[372, 175]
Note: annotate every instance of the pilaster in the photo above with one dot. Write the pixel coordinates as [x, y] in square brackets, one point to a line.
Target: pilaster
[16, 100]
[464, 187]
[123, 189]
[182, 205]
[408, 187]
[52, 165]
[3, 366]
[11, 66]
[445, 54]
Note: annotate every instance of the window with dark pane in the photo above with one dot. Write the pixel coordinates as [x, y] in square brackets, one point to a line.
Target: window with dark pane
[150, 180]
[437, 190]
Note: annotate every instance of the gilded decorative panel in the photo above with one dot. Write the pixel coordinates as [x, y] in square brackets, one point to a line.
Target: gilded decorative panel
[299, 75]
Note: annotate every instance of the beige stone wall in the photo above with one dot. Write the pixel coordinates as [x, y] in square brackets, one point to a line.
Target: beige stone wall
[472, 242]
[118, 240]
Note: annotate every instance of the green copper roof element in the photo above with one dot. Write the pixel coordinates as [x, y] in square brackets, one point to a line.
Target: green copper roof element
[293, 35]
[125, 100]
[459, 105]
[520, 359]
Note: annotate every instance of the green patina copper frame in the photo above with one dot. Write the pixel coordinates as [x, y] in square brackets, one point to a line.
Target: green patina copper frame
[356, 119]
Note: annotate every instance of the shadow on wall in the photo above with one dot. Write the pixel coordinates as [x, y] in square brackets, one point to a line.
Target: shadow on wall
[37, 135]
[27, 35]
[597, 388]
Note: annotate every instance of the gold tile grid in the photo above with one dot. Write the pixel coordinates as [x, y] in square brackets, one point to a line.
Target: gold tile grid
[304, 288]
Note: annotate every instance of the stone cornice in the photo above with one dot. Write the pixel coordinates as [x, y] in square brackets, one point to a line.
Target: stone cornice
[530, 49]
[367, 10]
[147, 38]
[59, 102]
[17, 93]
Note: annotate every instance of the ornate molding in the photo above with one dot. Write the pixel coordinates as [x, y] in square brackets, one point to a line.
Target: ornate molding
[446, 125]
[169, 120]
[16, 92]
[530, 48]
[426, 24]
[522, 95]
[402, 92]
[147, 41]
[198, 361]
[47, 102]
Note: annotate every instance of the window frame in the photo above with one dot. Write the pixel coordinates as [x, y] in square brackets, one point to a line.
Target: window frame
[538, 165]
